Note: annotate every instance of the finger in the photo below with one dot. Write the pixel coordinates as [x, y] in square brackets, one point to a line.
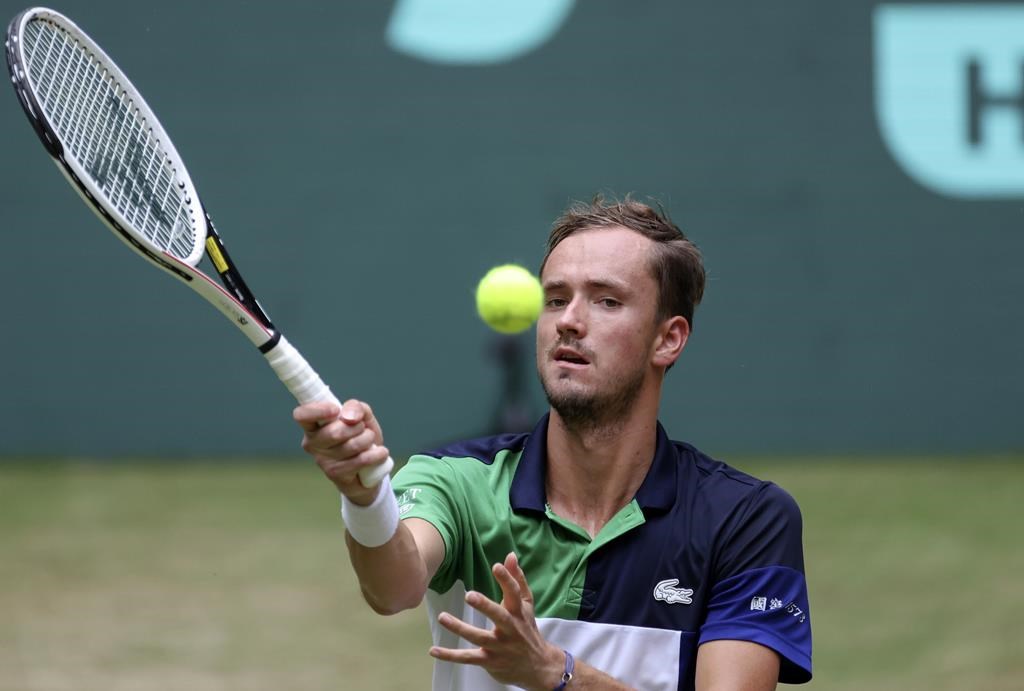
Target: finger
[375, 455]
[463, 656]
[340, 432]
[492, 610]
[329, 438]
[512, 599]
[512, 564]
[476, 636]
[309, 415]
[345, 469]
[355, 445]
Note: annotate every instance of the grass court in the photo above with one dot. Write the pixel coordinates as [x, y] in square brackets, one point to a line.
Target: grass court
[225, 576]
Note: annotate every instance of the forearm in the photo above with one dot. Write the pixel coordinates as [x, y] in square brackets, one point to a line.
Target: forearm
[393, 577]
[390, 561]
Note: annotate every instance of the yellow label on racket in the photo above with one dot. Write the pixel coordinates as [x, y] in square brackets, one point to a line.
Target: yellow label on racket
[215, 256]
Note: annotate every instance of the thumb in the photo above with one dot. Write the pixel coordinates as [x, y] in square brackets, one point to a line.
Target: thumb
[352, 412]
[355, 411]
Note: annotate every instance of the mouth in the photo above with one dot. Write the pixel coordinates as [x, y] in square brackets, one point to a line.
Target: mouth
[569, 357]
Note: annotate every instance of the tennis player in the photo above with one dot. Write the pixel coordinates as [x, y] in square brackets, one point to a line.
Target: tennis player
[593, 552]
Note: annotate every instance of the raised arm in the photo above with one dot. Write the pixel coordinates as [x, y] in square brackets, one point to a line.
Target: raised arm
[399, 558]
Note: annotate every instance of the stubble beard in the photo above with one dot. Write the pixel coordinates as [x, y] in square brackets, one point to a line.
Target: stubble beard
[587, 412]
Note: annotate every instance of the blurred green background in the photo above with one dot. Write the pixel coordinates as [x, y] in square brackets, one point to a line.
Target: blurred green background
[365, 179]
[367, 162]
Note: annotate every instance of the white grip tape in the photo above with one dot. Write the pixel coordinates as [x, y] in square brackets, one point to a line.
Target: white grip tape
[307, 386]
[292, 369]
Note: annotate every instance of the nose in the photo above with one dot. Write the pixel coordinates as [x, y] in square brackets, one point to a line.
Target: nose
[571, 320]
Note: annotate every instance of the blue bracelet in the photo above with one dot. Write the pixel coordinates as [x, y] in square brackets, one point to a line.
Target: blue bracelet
[570, 664]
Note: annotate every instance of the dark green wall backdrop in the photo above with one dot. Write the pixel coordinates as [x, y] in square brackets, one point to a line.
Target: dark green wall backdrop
[364, 190]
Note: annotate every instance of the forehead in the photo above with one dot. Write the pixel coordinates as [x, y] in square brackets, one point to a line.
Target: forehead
[599, 253]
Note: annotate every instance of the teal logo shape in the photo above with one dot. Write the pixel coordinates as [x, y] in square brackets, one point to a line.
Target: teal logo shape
[949, 95]
[474, 32]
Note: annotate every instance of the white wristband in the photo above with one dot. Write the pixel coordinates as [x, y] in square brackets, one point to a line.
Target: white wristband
[373, 525]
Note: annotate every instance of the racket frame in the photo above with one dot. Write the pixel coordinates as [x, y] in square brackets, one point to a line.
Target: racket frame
[234, 300]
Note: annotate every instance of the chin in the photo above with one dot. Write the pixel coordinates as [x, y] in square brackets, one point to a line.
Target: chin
[562, 394]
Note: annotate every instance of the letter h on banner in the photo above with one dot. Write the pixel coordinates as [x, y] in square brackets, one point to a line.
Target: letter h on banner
[978, 100]
[949, 95]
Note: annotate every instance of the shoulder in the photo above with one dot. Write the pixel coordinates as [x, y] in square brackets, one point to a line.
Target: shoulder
[489, 460]
[486, 450]
[742, 516]
[748, 523]
[727, 490]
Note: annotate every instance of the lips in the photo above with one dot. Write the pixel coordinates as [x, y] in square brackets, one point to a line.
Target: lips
[569, 356]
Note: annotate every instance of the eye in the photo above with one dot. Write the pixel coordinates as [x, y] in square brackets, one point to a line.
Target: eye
[555, 302]
[610, 303]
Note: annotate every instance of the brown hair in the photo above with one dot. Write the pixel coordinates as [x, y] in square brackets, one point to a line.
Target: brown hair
[676, 263]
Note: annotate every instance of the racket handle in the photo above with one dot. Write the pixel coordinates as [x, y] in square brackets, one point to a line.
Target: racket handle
[307, 387]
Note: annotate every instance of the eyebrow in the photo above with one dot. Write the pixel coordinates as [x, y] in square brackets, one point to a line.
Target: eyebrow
[595, 283]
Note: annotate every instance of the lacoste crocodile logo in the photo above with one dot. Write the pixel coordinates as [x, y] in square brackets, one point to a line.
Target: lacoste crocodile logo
[666, 591]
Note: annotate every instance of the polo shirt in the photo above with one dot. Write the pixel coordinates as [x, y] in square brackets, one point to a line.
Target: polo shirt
[702, 552]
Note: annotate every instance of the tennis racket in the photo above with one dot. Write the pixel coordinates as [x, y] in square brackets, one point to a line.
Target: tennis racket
[114, 152]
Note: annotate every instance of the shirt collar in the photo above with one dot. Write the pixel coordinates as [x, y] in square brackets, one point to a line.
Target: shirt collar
[527, 492]
[658, 491]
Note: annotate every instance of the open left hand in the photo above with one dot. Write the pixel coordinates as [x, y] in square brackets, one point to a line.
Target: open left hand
[513, 652]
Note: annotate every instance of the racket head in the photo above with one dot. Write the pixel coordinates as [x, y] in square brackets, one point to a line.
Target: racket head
[105, 138]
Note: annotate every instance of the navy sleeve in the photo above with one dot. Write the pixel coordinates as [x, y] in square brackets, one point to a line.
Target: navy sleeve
[759, 592]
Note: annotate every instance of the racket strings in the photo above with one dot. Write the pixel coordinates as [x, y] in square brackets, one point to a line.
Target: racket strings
[101, 127]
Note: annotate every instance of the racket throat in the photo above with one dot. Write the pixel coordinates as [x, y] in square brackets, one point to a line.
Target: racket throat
[233, 281]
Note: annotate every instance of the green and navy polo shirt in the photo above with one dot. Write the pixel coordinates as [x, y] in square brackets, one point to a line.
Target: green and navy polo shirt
[703, 552]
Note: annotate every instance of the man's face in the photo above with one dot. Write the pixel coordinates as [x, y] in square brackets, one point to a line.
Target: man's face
[596, 335]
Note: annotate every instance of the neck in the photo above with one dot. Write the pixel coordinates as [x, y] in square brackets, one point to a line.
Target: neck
[594, 472]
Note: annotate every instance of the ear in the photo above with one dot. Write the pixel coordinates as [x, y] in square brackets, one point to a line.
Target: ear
[670, 341]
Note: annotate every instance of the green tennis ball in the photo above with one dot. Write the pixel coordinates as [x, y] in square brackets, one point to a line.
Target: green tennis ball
[509, 299]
